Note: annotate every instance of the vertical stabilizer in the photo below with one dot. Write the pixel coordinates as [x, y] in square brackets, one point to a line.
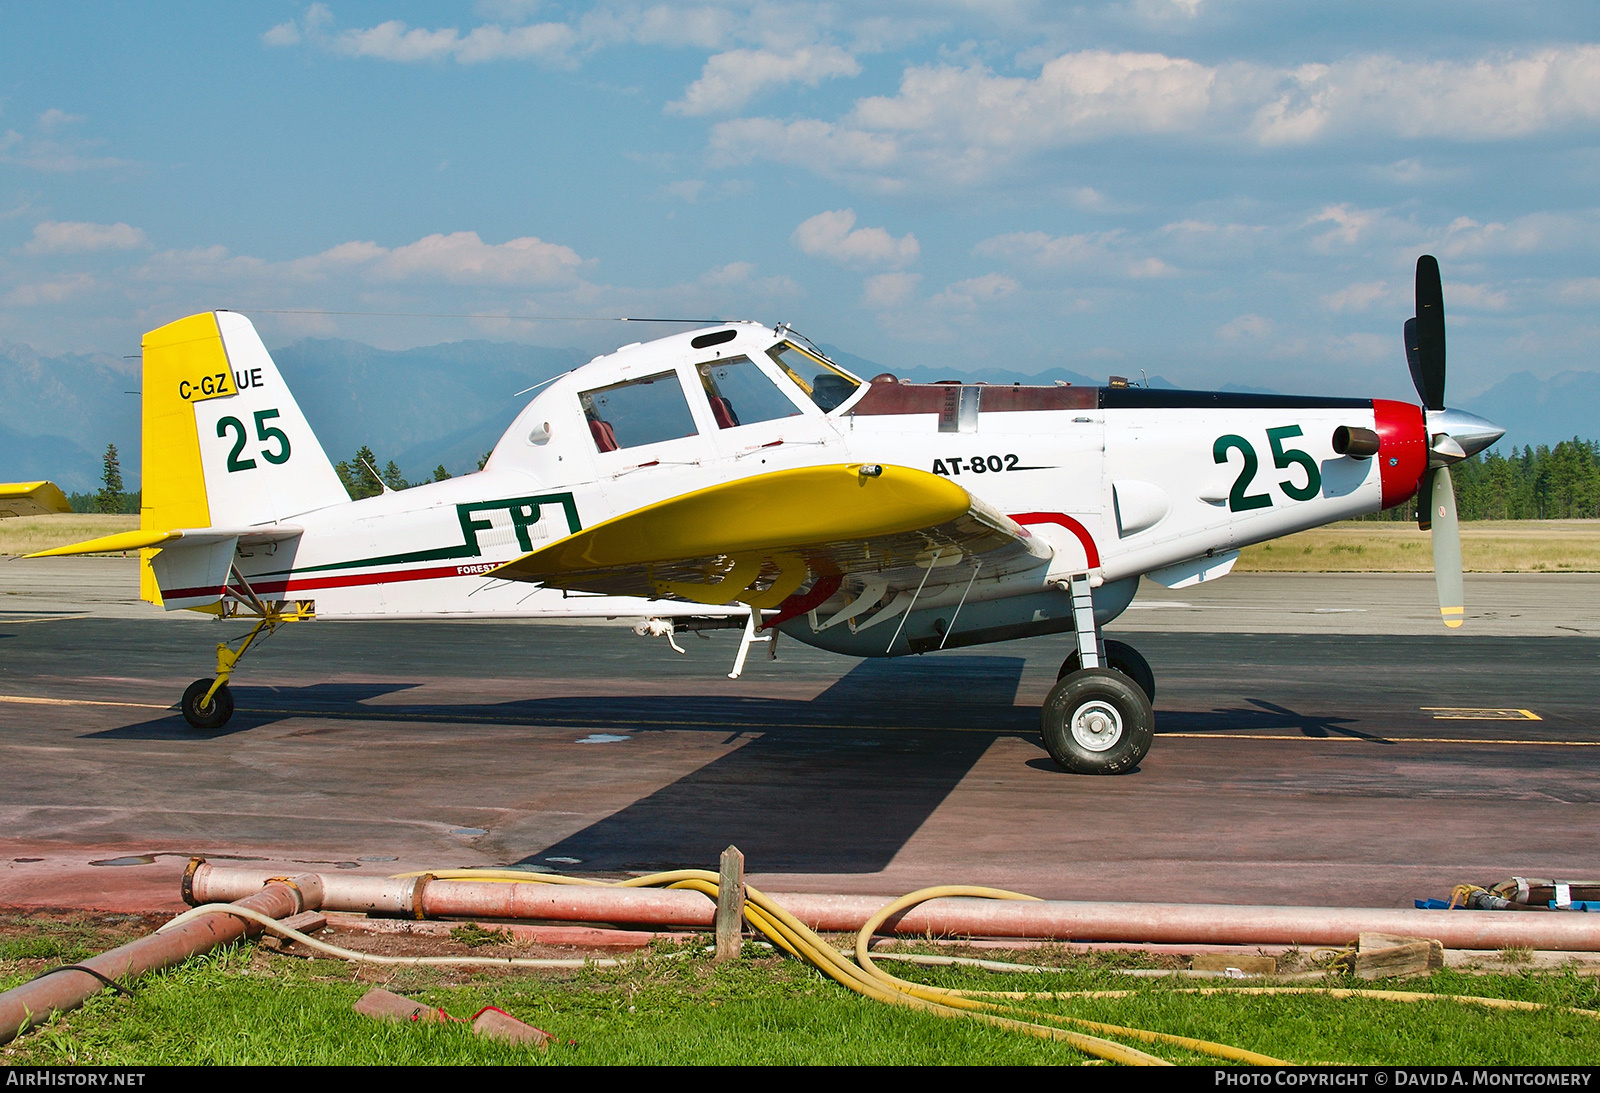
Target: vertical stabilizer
[225, 443]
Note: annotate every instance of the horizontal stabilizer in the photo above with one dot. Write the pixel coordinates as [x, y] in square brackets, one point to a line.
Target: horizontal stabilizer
[758, 540]
[32, 499]
[135, 540]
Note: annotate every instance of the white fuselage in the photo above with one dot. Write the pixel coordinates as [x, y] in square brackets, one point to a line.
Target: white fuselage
[1120, 482]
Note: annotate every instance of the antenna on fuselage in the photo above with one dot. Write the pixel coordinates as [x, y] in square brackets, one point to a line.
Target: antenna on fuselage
[382, 484]
[541, 383]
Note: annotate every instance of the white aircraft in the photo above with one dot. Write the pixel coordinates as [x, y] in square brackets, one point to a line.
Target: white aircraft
[734, 476]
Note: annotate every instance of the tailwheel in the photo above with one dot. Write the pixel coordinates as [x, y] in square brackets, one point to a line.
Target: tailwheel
[203, 713]
[1097, 721]
[1125, 659]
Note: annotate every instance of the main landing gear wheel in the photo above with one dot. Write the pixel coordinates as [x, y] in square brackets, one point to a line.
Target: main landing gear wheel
[207, 715]
[1097, 721]
[1125, 659]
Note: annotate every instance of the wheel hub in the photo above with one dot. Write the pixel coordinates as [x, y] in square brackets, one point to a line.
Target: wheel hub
[1096, 725]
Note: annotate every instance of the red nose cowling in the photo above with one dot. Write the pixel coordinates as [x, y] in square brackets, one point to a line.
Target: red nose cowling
[1402, 448]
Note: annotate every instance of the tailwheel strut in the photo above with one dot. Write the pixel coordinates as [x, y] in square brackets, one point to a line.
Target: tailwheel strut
[208, 703]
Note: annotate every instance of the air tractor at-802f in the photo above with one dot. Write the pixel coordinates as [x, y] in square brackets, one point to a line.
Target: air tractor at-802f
[734, 476]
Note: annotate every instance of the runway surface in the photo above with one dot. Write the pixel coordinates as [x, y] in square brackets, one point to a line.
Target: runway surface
[1362, 767]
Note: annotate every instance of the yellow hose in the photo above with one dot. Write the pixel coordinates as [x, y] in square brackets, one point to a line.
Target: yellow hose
[866, 978]
[864, 958]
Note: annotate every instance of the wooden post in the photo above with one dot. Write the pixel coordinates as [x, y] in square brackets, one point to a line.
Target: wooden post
[730, 905]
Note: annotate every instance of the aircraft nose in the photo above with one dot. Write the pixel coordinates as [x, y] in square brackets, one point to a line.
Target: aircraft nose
[1472, 432]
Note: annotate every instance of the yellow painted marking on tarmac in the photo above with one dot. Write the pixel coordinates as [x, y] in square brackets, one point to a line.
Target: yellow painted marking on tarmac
[1476, 713]
[1382, 740]
[41, 618]
[30, 700]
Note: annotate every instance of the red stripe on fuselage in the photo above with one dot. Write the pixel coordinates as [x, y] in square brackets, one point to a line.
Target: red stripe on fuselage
[1061, 518]
[1402, 448]
[311, 584]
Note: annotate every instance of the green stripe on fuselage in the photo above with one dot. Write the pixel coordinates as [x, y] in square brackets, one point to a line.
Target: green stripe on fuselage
[524, 512]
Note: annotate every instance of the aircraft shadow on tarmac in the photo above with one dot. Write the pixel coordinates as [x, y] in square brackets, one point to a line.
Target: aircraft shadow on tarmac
[836, 784]
[1260, 716]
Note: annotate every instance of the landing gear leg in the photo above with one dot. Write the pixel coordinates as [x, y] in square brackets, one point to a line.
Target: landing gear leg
[1097, 719]
[208, 703]
[1106, 654]
[1122, 657]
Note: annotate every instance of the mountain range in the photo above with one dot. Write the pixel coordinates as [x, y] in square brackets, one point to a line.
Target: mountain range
[448, 404]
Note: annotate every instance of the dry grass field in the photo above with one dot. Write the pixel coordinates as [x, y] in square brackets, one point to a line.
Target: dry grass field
[25, 534]
[1487, 546]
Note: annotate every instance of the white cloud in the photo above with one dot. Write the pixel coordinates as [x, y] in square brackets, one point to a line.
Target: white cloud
[1348, 224]
[1039, 248]
[458, 258]
[1474, 297]
[817, 145]
[689, 189]
[1359, 297]
[55, 119]
[396, 41]
[1493, 97]
[463, 258]
[284, 34]
[1150, 267]
[78, 237]
[961, 124]
[731, 79]
[1582, 290]
[1531, 234]
[741, 275]
[508, 35]
[1105, 252]
[51, 148]
[830, 235]
[50, 292]
[975, 290]
[1245, 326]
[889, 289]
[707, 26]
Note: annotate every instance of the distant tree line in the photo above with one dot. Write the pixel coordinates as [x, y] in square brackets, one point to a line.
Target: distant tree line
[362, 477]
[1532, 483]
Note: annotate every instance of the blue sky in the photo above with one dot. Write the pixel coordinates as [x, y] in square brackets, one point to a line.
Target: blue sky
[1214, 190]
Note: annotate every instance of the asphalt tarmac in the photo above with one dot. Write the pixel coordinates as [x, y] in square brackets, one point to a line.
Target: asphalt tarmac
[1352, 762]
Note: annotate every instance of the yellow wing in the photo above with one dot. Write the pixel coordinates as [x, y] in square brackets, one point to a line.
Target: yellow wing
[31, 499]
[757, 540]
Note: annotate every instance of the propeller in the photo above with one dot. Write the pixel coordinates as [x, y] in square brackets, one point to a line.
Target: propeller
[1453, 435]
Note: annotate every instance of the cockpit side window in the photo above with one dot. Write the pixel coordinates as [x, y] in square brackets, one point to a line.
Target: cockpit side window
[635, 412]
[829, 386]
[741, 394]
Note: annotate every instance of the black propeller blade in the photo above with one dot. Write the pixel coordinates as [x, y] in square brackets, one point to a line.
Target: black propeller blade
[1425, 335]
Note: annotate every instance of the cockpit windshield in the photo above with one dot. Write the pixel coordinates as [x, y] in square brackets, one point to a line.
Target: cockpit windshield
[829, 385]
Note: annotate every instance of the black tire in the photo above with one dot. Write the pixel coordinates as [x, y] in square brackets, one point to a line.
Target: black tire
[214, 714]
[1096, 721]
[1125, 659]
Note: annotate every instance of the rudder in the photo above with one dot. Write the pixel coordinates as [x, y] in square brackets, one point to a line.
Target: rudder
[225, 443]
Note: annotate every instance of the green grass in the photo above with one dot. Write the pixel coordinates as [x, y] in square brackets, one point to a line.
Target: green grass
[246, 1005]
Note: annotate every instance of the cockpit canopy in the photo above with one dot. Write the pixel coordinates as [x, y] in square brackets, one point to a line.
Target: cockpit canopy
[739, 391]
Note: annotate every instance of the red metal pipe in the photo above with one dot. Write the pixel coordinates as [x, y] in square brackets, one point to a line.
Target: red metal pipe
[1143, 923]
[21, 1008]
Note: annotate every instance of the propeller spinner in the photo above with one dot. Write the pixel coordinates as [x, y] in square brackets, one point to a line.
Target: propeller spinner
[1453, 435]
